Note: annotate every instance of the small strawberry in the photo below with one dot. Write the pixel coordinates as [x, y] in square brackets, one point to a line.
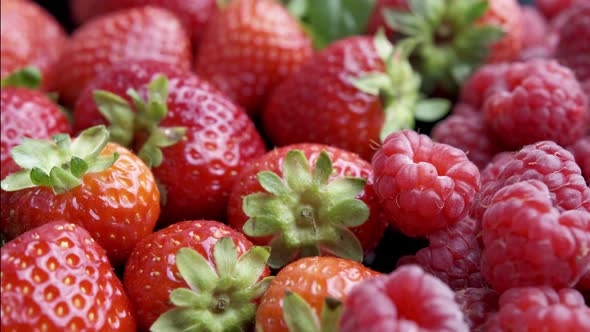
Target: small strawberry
[199, 274]
[249, 47]
[131, 34]
[56, 278]
[308, 200]
[313, 280]
[101, 186]
[30, 36]
[195, 139]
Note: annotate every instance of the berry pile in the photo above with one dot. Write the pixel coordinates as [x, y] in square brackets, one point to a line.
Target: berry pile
[295, 165]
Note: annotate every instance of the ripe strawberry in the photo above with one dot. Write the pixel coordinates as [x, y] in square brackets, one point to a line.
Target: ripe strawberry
[249, 47]
[103, 187]
[205, 262]
[131, 34]
[377, 20]
[196, 173]
[194, 14]
[314, 279]
[56, 278]
[18, 106]
[30, 36]
[308, 200]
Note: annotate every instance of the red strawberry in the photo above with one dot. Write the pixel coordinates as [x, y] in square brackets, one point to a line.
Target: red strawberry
[30, 36]
[103, 187]
[377, 19]
[249, 47]
[324, 205]
[18, 106]
[197, 171]
[56, 278]
[203, 260]
[132, 34]
[309, 280]
[194, 14]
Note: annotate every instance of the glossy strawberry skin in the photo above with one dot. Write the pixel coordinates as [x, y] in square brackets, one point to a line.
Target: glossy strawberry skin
[151, 272]
[344, 163]
[314, 279]
[18, 107]
[250, 47]
[30, 36]
[319, 103]
[118, 206]
[56, 278]
[198, 172]
[154, 33]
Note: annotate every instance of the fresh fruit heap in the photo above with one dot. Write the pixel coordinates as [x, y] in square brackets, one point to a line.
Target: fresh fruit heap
[296, 165]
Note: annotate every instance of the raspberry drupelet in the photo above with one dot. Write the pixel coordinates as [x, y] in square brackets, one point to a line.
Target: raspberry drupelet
[478, 305]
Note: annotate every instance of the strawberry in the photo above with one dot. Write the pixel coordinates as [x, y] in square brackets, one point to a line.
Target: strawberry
[30, 36]
[131, 34]
[377, 19]
[334, 100]
[314, 280]
[200, 274]
[211, 138]
[56, 277]
[249, 47]
[308, 200]
[101, 186]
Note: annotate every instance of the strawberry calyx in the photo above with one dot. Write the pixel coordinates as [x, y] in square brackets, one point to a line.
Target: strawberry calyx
[27, 77]
[450, 43]
[300, 317]
[220, 298]
[398, 88]
[59, 163]
[306, 215]
[125, 124]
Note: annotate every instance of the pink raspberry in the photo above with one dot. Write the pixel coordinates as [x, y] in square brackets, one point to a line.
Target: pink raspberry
[581, 151]
[536, 27]
[495, 167]
[536, 100]
[573, 48]
[474, 90]
[408, 299]
[528, 242]
[544, 161]
[478, 305]
[470, 134]
[552, 8]
[540, 309]
[424, 186]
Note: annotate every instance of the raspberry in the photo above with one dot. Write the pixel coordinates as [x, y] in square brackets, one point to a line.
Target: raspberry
[544, 161]
[536, 100]
[424, 186]
[540, 309]
[478, 305]
[470, 134]
[528, 242]
[552, 8]
[492, 171]
[536, 26]
[408, 299]
[581, 151]
[453, 255]
[573, 48]
[474, 90]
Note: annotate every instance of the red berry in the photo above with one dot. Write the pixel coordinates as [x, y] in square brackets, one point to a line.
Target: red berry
[536, 25]
[408, 299]
[377, 20]
[581, 151]
[574, 39]
[478, 305]
[475, 89]
[552, 8]
[424, 186]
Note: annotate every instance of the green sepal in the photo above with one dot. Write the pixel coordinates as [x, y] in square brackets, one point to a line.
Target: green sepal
[431, 110]
[333, 245]
[195, 270]
[28, 77]
[179, 319]
[225, 256]
[304, 209]
[117, 112]
[60, 163]
[300, 317]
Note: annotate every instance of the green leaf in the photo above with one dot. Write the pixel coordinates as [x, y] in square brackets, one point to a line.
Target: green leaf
[323, 169]
[78, 167]
[383, 46]
[101, 163]
[184, 297]
[406, 23]
[33, 153]
[261, 204]
[251, 265]
[398, 116]
[281, 253]
[151, 155]
[372, 83]
[28, 77]
[119, 115]
[17, 181]
[260, 288]
[344, 244]
[461, 72]
[62, 141]
[345, 188]
[158, 89]
[331, 315]
[195, 270]
[90, 142]
[349, 213]
[298, 8]
[298, 314]
[40, 178]
[138, 102]
[226, 257]
[474, 11]
[262, 226]
[419, 7]
[179, 320]
[63, 181]
[296, 171]
[272, 183]
[430, 110]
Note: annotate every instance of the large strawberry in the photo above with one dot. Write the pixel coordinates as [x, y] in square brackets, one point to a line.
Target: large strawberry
[325, 102]
[29, 36]
[56, 278]
[197, 172]
[200, 274]
[99, 185]
[131, 34]
[307, 200]
[249, 47]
